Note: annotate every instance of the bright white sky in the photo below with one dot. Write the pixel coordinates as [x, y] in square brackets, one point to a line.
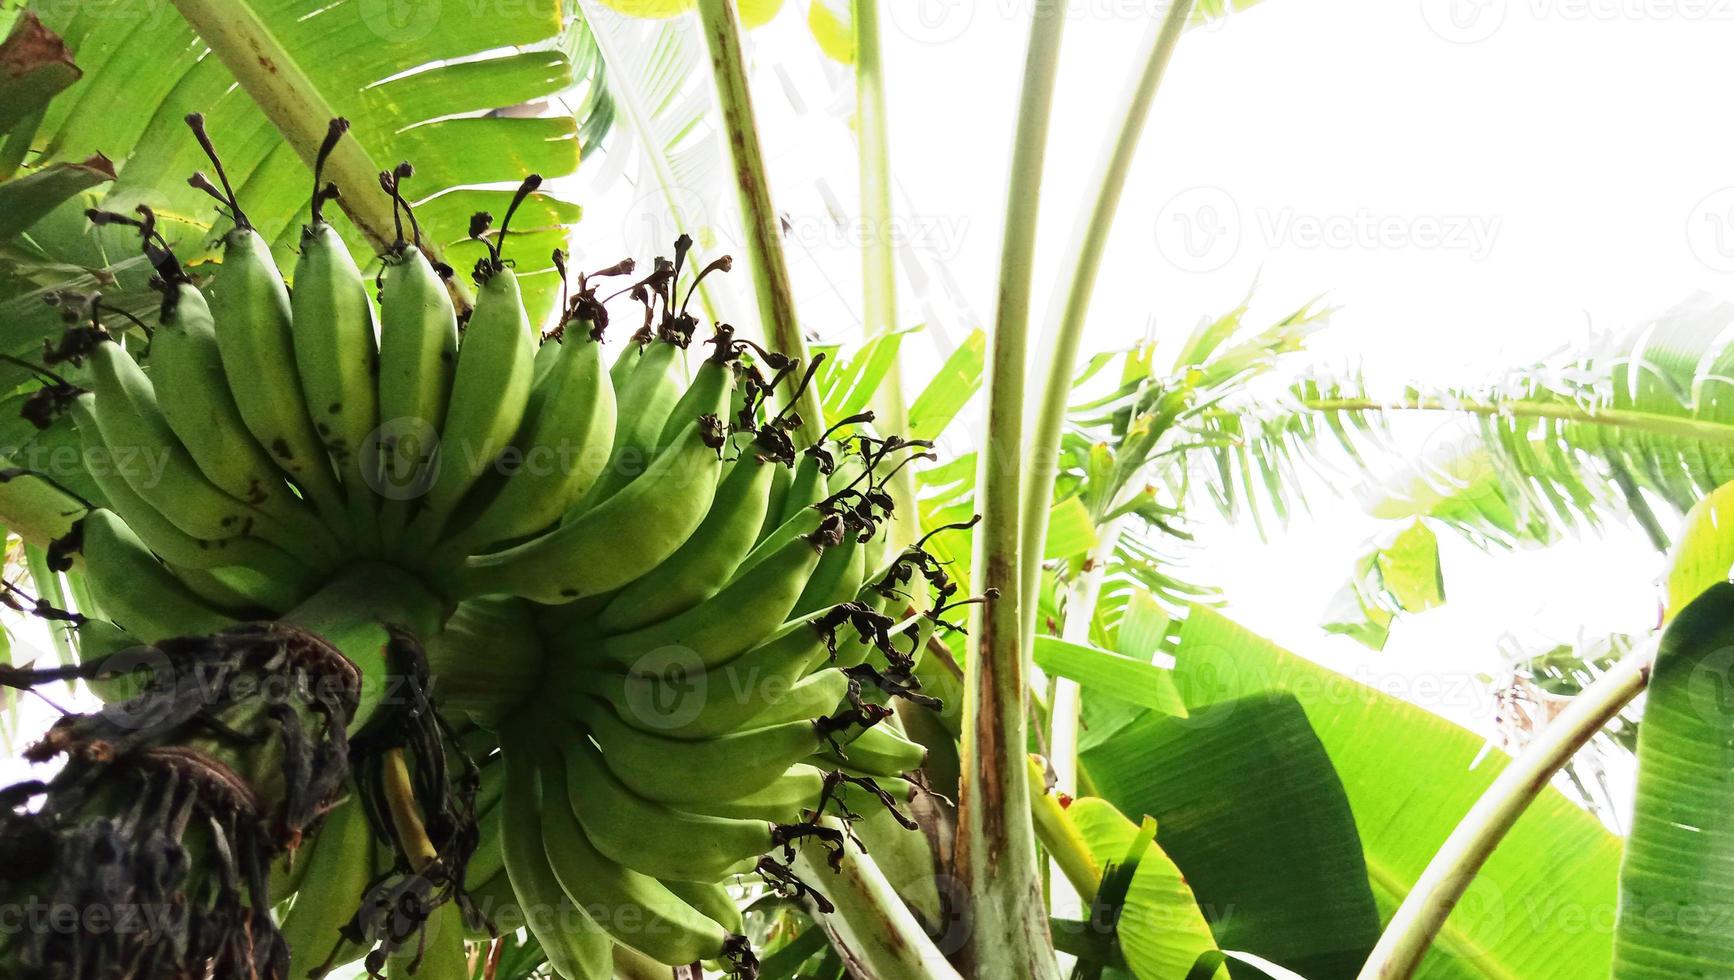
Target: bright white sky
[1532, 171]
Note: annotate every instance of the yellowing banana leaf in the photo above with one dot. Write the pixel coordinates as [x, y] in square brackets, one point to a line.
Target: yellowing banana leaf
[1141, 683]
[752, 12]
[1703, 550]
[1398, 573]
[1071, 532]
[1541, 908]
[832, 24]
[1677, 880]
[1161, 930]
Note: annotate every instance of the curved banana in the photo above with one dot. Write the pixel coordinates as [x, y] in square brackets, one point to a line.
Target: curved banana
[879, 751]
[565, 444]
[440, 955]
[678, 772]
[418, 350]
[143, 451]
[192, 392]
[338, 873]
[645, 396]
[585, 557]
[721, 627]
[337, 356]
[135, 590]
[255, 336]
[712, 900]
[575, 945]
[728, 695]
[654, 839]
[172, 544]
[785, 800]
[489, 392]
[699, 568]
[637, 910]
[837, 577]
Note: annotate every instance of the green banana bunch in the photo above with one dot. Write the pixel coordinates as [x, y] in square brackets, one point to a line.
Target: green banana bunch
[682, 631]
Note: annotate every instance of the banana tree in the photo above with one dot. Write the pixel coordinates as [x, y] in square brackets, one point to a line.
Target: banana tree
[437, 634]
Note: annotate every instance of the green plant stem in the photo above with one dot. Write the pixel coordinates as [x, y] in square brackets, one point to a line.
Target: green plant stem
[996, 852]
[1626, 418]
[872, 930]
[1424, 911]
[1070, 305]
[722, 35]
[352, 612]
[1057, 832]
[878, 259]
[282, 90]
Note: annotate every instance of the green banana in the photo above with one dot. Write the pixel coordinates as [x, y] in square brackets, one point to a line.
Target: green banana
[192, 392]
[776, 498]
[255, 336]
[563, 447]
[489, 857]
[678, 772]
[785, 800]
[440, 955]
[813, 696]
[337, 356]
[711, 391]
[333, 886]
[836, 578]
[809, 485]
[418, 349]
[637, 910]
[724, 625]
[704, 563]
[243, 588]
[712, 900]
[143, 450]
[644, 398]
[729, 694]
[575, 945]
[489, 392]
[172, 544]
[654, 839]
[135, 590]
[879, 751]
[585, 557]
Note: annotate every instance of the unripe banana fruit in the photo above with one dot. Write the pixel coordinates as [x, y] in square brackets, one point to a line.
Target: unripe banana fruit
[697, 653]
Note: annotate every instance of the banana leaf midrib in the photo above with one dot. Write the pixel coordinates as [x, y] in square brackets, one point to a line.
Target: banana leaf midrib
[1625, 418]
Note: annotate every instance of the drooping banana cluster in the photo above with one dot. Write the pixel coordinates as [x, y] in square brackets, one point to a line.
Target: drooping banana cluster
[720, 621]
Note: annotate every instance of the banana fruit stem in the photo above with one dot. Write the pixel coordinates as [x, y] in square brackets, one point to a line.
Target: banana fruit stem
[352, 612]
[872, 930]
